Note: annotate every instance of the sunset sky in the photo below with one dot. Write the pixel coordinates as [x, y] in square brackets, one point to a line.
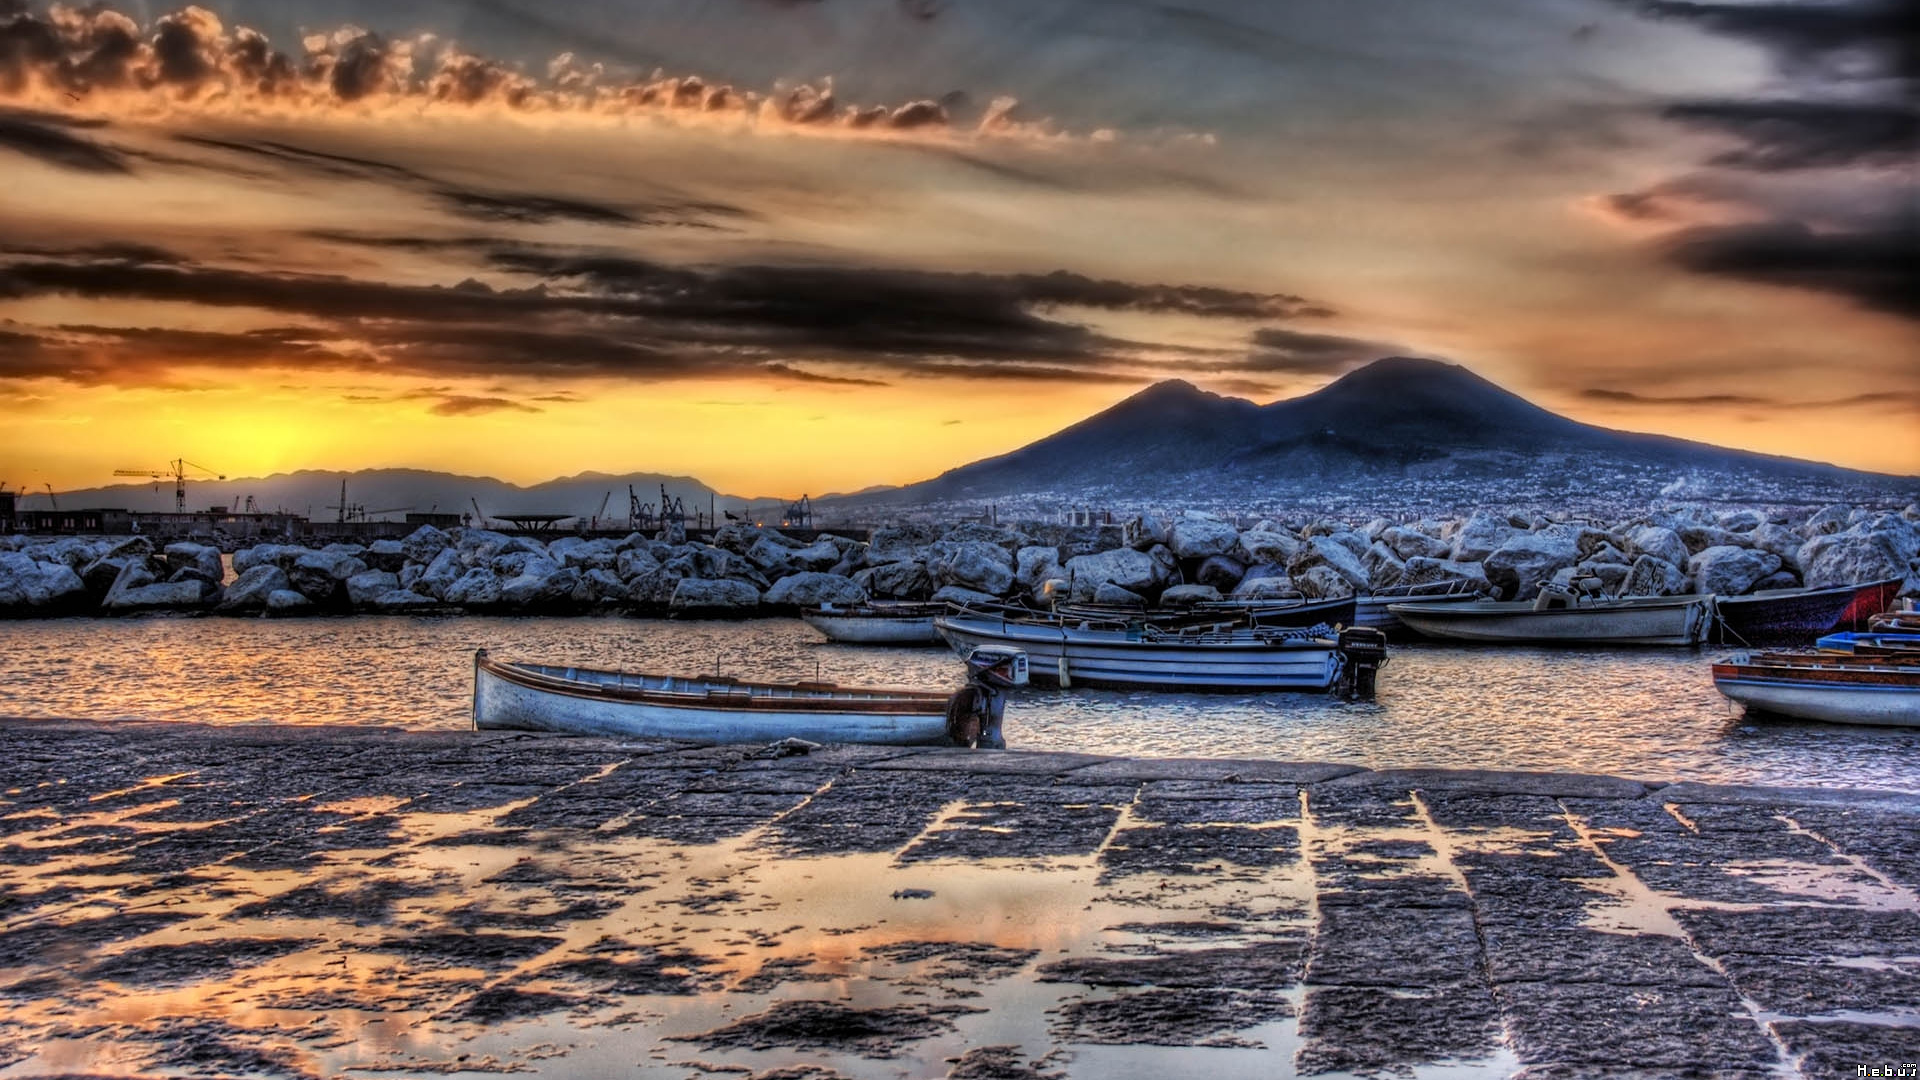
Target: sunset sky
[813, 245]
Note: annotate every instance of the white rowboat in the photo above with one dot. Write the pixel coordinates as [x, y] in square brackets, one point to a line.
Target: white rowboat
[581, 701]
[1565, 620]
[876, 624]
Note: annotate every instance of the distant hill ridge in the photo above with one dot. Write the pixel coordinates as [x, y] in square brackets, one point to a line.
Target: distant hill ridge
[315, 491]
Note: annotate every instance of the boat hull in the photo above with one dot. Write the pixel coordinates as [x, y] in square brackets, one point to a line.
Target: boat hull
[1373, 610]
[1681, 622]
[852, 629]
[517, 698]
[1792, 616]
[1851, 694]
[1111, 659]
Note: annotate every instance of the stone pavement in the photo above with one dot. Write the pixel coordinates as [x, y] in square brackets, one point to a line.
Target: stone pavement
[302, 902]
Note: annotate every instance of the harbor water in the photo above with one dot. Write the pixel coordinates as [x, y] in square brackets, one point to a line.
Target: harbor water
[1649, 714]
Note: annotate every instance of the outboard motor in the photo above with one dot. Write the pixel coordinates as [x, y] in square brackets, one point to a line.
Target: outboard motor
[1363, 652]
[975, 711]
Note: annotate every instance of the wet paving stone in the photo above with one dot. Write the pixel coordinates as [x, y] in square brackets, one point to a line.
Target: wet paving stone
[1182, 1017]
[340, 902]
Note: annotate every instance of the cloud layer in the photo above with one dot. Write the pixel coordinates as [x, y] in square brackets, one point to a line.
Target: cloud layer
[191, 60]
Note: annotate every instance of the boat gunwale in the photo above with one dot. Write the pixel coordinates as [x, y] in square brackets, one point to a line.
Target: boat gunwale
[885, 700]
[1509, 608]
[1277, 641]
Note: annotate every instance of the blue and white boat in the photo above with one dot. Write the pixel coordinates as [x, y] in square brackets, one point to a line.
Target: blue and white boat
[1152, 658]
[1870, 644]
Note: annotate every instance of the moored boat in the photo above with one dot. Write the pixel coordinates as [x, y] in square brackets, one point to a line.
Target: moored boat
[1850, 643]
[711, 710]
[1883, 691]
[1561, 617]
[1370, 609]
[1150, 657]
[1297, 612]
[1791, 616]
[876, 623]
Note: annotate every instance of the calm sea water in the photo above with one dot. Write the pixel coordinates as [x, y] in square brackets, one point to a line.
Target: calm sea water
[1648, 714]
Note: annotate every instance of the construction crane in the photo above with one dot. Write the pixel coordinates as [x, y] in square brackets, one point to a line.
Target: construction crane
[178, 474]
[358, 511]
[51, 499]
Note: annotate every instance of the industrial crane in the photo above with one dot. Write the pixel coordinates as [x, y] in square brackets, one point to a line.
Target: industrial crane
[178, 474]
[51, 499]
[358, 511]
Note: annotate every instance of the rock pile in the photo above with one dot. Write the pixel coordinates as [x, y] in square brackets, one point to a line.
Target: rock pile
[747, 570]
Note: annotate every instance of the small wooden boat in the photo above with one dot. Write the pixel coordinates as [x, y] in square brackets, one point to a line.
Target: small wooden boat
[1561, 617]
[1371, 609]
[1878, 690]
[581, 701]
[1151, 657]
[1791, 616]
[1850, 643]
[876, 623]
[1896, 622]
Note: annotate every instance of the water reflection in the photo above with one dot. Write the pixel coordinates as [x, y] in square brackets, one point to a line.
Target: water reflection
[1649, 714]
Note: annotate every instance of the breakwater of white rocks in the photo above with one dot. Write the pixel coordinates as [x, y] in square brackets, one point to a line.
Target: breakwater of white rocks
[1183, 558]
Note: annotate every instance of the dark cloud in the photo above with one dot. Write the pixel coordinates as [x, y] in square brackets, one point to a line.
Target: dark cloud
[1778, 135]
[1277, 350]
[1871, 38]
[1875, 269]
[597, 315]
[475, 406]
[467, 202]
[788, 371]
[529, 209]
[1628, 397]
[48, 137]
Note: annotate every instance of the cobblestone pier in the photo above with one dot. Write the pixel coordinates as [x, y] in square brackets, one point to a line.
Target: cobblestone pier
[307, 902]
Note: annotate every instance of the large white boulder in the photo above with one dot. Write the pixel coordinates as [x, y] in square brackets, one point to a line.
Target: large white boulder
[1188, 595]
[1480, 535]
[810, 588]
[423, 543]
[1654, 576]
[321, 576]
[895, 580]
[1408, 543]
[1525, 561]
[1724, 570]
[442, 572]
[972, 564]
[1421, 570]
[634, 562]
[479, 587]
[1661, 543]
[1269, 545]
[198, 560]
[543, 586]
[365, 586]
[709, 597]
[31, 587]
[1135, 571]
[822, 554]
[1337, 557]
[1853, 557]
[1035, 564]
[250, 590]
[1196, 536]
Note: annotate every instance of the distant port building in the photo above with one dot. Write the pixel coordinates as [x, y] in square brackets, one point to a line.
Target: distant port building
[217, 522]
